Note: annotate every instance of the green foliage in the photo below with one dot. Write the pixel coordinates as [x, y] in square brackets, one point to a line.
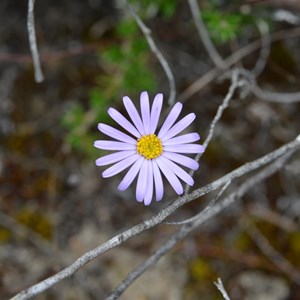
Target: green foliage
[36, 221]
[78, 122]
[200, 269]
[222, 28]
[73, 116]
[5, 235]
[294, 241]
[129, 61]
[166, 8]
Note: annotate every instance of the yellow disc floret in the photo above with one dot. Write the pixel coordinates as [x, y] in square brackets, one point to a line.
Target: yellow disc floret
[149, 146]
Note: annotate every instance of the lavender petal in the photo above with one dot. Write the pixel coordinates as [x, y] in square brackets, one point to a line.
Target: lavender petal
[179, 172]
[171, 177]
[134, 115]
[131, 174]
[183, 139]
[178, 127]
[170, 120]
[182, 160]
[145, 110]
[112, 145]
[114, 157]
[155, 112]
[142, 182]
[149, 188]
[123, 122]
[120, 166]
[115, 133]
[159, 186]
[185, 148]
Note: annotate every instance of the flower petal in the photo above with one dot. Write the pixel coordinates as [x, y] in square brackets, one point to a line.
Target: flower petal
[185, 148]
[149, 188]
[155, 112]
[182, 174]
[171, 177]
[134, 115]
[170, 120]
[159, 186]
[142, 181]
[182, 159]
[123, 122]
[114, 157]
[145, 110]
[183, 139]
[131, 174]
[120, 166]
[180, 126]
[115, 133]
[112, 145]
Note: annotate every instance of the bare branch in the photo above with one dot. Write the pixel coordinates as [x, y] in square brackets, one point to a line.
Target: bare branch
[268, 215]
[21, 230]
[187, 228]
[234, 58]
[220, 287]
[272, 254]
[38, 74]
[208, 207]
[265, 48]
[147, 33]
[163, 214]
[273, 96]
[221, 108]
[209, 46]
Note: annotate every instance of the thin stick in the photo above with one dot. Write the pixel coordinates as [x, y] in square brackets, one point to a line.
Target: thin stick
[147, 33]
[187, 228]
[272, 254]
[221, 108]
[11, 224]
[157, 219]
[38, 74]
[208, 207]
[209, 46]
[220, 287]
[232, 59]
[273, 96]
[265, 48]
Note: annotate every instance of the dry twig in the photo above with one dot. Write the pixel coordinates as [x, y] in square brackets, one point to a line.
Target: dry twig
[164, 213]
[147, 33]
[272, 254]
[220, 287]
[38, 74]
[209, 46]
[189, 227]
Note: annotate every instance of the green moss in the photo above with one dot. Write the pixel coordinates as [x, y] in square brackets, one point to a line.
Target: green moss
[200, 269]
[36, 221]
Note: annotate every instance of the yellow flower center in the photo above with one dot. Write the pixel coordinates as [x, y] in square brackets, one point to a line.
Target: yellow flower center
[149, 146]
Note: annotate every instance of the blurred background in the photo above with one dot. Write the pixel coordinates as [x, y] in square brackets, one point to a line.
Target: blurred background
[54, 205]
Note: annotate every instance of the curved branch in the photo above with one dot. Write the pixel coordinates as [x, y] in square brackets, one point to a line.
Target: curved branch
[201, 28]
[216, 119]
[38, 74]
[273, 96]
[204, 216]
[147, 33]
[265, 48]
[156, 219]
[234, 58]
[220, 287]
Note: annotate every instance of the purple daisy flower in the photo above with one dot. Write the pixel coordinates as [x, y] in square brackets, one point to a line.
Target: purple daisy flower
[149, 155]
